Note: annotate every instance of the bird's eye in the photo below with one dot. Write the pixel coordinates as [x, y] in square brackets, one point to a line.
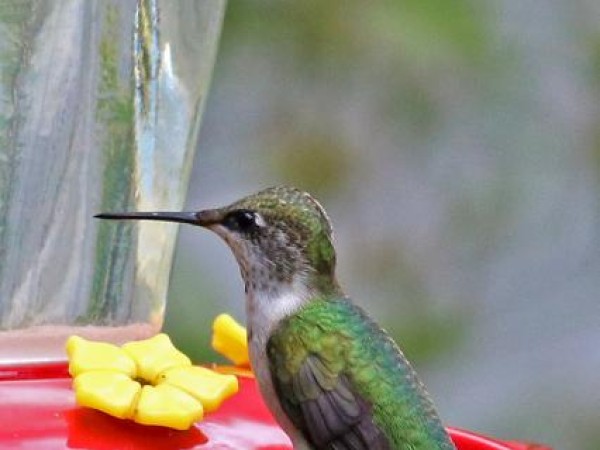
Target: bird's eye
[242, 220]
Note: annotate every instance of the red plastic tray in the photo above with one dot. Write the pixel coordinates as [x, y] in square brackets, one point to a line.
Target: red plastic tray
[38, 411]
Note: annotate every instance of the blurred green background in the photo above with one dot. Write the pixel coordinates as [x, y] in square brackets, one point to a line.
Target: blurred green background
[456, 146]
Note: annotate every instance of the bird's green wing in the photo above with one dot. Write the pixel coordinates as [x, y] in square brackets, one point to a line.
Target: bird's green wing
[319, 399]
[345, 384]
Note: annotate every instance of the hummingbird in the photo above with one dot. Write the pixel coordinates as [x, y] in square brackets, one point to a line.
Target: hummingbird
[331, 376]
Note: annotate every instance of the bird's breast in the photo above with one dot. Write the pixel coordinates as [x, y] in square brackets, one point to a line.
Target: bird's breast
[264, 313]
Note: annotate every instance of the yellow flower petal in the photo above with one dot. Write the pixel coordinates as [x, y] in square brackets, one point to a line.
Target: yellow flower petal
[230, 339]
[87, 355]
[155, 355]
[103, 379]
[167, 406]
[207, 386]
[111, 392]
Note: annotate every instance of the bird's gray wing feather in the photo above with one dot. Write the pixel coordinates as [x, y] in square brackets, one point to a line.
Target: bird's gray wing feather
[323, 405]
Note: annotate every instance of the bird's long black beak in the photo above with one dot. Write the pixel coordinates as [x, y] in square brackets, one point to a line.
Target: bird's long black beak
[204, 218]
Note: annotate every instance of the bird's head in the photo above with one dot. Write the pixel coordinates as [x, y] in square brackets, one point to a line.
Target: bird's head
[279, 236]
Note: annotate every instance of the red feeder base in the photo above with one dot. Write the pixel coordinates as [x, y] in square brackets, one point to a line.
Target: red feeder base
[38, 411]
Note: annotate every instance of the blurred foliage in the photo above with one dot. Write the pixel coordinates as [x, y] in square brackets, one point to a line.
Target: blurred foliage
[190, 312]
[343, 30]
[319, 163]
[594, 76]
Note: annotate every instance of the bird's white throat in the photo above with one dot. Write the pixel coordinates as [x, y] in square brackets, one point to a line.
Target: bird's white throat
[265, 309]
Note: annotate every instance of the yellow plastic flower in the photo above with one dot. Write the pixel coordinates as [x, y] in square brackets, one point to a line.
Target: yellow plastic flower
[155, 355]
[149, 381]
[230, 340]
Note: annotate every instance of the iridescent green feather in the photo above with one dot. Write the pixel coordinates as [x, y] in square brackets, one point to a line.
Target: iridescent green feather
[341, 347]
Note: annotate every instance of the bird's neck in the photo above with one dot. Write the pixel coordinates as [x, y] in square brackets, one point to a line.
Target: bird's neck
[268, 303]
[265, 311]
